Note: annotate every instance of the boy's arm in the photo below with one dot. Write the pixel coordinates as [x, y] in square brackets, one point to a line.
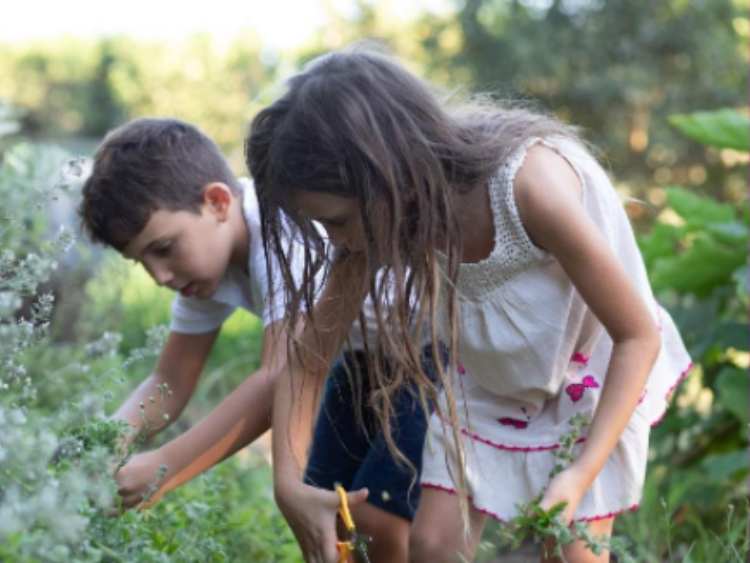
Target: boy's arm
[238, 420]
[168, 389]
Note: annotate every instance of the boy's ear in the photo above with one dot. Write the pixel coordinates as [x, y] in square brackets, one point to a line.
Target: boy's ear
[217, 199]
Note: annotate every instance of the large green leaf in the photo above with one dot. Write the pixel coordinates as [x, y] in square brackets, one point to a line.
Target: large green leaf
[742, 282]
[733, 232]
[733, 387]
[659, 242]
[725, 128]
[698, 210]
[720, 467]
[732, 334]
[706, 264]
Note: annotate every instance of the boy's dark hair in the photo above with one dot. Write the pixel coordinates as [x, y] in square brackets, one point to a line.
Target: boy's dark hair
[143, 166]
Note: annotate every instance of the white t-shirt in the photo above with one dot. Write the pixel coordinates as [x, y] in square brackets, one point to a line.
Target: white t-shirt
[250, 291]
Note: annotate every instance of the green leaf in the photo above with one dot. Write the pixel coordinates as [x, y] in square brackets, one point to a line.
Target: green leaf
[721, 467]
[732, 334]
[698, 210]
[705, 265]
[725, 128]
[661, 241]
[733, 387]
[733, 232]
[742, 280]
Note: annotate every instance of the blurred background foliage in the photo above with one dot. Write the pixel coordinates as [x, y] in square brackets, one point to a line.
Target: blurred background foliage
[658, 87]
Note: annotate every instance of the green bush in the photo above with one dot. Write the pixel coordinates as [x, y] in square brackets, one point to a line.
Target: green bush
[58, 450]
[695, 500]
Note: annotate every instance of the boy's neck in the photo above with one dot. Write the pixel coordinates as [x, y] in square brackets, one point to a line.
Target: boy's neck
[240, 236]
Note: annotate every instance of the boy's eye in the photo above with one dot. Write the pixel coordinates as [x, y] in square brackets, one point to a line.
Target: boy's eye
[162, 249]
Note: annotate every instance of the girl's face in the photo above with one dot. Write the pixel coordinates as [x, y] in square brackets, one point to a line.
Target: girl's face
[339, 216]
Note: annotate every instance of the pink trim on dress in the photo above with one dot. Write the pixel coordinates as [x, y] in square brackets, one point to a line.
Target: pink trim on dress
[449, 490]
[508, 448]
[671, 390]
[543, 448]
[631, 508]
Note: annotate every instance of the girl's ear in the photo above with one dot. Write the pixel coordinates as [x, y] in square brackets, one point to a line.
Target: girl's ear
[217, 199]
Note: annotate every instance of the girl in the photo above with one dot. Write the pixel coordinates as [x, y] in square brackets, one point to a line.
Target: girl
[507, 236]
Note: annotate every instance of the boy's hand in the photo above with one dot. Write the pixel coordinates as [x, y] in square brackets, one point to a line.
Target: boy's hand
[139, 481]
[311, 514]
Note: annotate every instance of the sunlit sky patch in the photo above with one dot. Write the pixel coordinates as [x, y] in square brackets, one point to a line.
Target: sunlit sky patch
[279, 24]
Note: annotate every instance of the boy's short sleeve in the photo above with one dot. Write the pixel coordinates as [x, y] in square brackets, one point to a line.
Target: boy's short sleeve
[198, 316]
[273, 301]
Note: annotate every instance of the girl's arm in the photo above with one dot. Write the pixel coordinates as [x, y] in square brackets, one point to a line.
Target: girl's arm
[238, 420]
[548, 195]
[311, 512]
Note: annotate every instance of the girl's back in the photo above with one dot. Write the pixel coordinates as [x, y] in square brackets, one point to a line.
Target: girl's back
[533, 354]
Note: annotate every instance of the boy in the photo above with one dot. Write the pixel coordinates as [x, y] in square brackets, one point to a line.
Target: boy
[161, 194]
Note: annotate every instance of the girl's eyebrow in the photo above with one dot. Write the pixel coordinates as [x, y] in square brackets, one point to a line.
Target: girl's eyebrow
[330, 219]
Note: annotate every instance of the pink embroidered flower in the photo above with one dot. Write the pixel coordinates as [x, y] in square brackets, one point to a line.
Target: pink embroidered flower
[575, 390]
[516, 423]
[580, 358]
[461, 369]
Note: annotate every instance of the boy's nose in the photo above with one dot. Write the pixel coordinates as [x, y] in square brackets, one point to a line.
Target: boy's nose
[162, 275]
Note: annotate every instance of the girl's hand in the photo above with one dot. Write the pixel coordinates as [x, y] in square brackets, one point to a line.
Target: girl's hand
[141, 478]
[568, 486]
[311, 514]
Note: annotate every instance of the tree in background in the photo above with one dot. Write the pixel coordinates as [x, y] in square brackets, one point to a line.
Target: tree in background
[617, 68]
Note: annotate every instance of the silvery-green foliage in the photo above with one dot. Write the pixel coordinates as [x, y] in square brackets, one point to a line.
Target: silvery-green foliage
[58, 449]
[40, 502]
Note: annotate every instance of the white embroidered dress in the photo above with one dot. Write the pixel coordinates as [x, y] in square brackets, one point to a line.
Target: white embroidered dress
[532, 355]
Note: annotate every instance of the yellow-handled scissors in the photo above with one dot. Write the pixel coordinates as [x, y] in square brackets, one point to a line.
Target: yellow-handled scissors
[355, 546]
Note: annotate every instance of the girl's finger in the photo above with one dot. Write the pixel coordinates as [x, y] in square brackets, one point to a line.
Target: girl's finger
[357, 497]
[330, 554]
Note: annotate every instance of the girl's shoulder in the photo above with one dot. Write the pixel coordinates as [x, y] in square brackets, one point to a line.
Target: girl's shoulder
[537, 178]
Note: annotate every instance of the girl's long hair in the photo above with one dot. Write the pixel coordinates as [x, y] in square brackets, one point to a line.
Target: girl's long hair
[356, 124]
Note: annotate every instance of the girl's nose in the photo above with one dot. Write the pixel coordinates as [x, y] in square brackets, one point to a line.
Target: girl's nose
[337, 239]
[334, 238]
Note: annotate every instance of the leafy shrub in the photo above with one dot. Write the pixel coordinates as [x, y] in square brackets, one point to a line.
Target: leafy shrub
[58, 450]
[695, 500]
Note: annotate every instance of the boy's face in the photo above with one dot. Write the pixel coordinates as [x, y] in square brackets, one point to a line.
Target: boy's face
[185, 251]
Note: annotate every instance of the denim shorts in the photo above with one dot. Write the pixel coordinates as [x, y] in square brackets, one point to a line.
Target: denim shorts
[356, 455]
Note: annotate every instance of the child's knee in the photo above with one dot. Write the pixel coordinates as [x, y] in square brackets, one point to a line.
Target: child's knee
[431, 544]
[426, 544]
[389, 533]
